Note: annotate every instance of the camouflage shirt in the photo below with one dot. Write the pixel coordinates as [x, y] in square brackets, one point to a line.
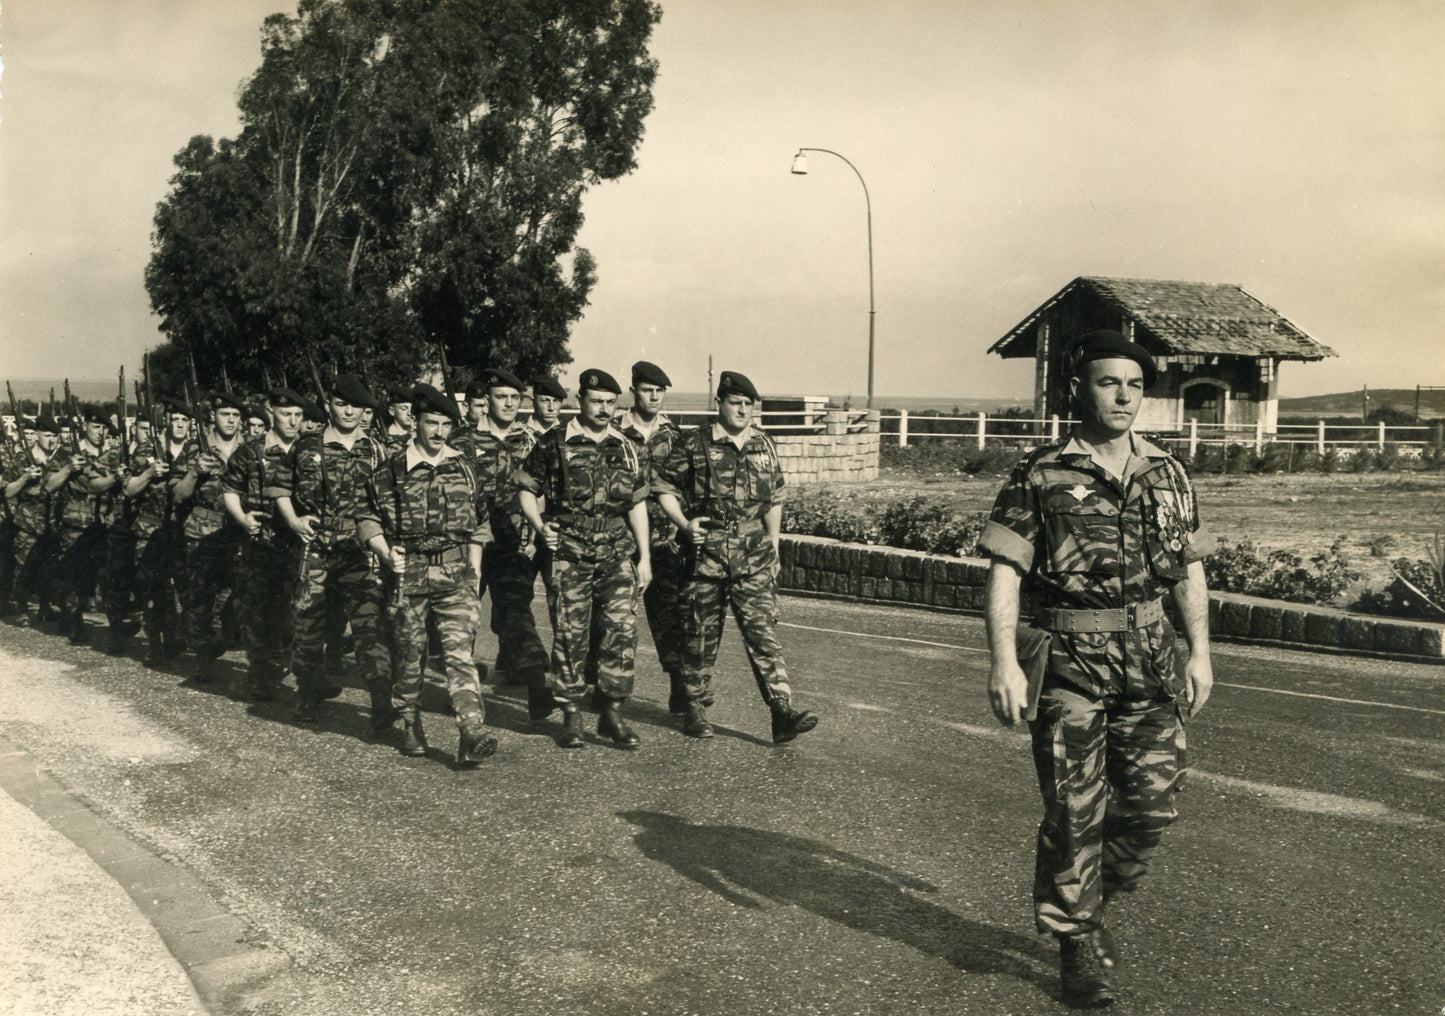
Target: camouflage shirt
[207, 509]
[714, 476]
[653, 449]
[75, 504]
[31, 506]
[259, 472]
[1085, 539]
[328, 479]
[423, 506]
[153, 505]
[580, 474]
[495, 455]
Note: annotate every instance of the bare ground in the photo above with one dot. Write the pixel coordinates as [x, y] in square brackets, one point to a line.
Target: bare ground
[1381, 516]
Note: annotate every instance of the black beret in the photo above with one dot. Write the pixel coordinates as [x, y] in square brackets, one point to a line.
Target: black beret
[285, 397]
[311, 411]
[545, 384]
[256, 411]
[426, 399]
[26, 423]
[94, 416]
[225, 400]
[1102, 344]
[644, 373]
[397, 394]
[598, 381]
[732, 383]
[348, 388]
[496, 377]
[111, 428]
[47, 424]
[175, 406]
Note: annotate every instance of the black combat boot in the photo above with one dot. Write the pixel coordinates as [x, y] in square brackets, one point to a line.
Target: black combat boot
[1104, 946]
[571, 736]
[383, 714]
[788, 722]
[694, 722]
[476, 744]
[413, 741]
[610, 724]
[78, 632]
[120, 632]
[205, 671]
[307, 709]
[1086, 984]
[676, 696]
[155, 652]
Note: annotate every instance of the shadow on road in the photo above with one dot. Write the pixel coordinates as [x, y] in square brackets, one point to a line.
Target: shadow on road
[742, 865]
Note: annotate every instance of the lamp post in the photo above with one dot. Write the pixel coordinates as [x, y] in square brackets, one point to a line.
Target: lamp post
[800, 168]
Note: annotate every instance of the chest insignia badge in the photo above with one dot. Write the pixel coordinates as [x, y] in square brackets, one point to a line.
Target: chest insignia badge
[1080, 492]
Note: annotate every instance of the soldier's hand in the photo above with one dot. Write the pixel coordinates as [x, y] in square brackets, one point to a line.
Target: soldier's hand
[305, 528]
[551, 535]
[210, 464]
[396, 559]
[253, 523]
[695, 531]
[1199, 681]
[34, 472]
[644, 574]
[1008, 690]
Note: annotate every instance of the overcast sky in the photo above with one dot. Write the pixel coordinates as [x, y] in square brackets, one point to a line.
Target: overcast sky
[1297, 149]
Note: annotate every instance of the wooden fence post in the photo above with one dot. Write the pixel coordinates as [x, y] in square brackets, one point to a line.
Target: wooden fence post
[1054, 427]
[1320, 438]
[1259, 435]
[903, 428]
[1193, 438]
[982, 429]
[1381, 442]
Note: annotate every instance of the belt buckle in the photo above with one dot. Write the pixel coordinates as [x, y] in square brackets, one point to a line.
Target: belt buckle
[1131, 615]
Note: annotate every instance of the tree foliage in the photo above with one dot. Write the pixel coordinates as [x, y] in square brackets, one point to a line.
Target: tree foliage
[408, 173]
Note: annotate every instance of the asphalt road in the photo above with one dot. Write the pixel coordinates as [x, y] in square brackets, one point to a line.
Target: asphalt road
[880, 864]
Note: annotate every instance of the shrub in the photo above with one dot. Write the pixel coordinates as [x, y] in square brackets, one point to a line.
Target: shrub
[1280, 574]
[1425, 601]
[931, 526]
[952, 456]
[825, 513]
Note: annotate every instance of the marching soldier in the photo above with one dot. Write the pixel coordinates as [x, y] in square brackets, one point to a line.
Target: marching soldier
[209, 544]
[423, 519]
[320, 501]
[77, 476]
[547, 398]
[496, 444]
[256, 420]
[595, 488]
[1099, 527]
[653, 433]
[18, 461]
[153, 553]
[30, 509]
[721, 485]
[399, 426]
[267, 576]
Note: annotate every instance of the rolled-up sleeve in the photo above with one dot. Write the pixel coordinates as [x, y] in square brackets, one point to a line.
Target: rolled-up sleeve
[1013, 527]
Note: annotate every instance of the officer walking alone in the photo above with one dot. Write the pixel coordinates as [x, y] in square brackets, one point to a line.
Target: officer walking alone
[1098, 529]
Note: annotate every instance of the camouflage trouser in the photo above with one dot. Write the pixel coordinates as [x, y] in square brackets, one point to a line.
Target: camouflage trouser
[265, 582]
[1108, 769]
[156, 578]
[33, 574]
[8, 530]
[118, 583]
[508, 575]
[445, 591]
[341, 585]
[664, 614]
[210, 565]
[79, 561]
[592, 600]
[732, 570]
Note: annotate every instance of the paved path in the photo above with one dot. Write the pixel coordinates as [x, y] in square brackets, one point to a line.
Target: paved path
[878, 865]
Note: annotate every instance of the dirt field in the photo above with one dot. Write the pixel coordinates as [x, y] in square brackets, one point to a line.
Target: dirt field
[1381, 515]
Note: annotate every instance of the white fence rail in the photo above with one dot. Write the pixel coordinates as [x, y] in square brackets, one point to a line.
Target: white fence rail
[1319, 436]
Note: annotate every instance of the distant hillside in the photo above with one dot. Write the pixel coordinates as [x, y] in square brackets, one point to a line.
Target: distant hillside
[1432, 404]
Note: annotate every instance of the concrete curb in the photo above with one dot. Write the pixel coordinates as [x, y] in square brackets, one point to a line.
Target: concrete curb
[214, 947]
[817, 566]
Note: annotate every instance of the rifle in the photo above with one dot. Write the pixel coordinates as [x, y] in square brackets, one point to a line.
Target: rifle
[225, 380]
[120, 422]
[157, 449]
[193, 397]
[446, 369]
[18, 441]
[316, 379]
[72, 408]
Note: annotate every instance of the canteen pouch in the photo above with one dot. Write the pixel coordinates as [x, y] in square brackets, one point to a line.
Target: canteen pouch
[1032, 647]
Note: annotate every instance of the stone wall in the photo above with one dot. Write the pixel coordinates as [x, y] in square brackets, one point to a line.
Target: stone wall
[818, 566]
[839, 454]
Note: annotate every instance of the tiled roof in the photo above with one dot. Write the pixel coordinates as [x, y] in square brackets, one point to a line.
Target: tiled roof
[1183, 317]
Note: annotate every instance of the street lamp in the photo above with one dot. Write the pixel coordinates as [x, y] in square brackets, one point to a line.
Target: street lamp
[800, 168]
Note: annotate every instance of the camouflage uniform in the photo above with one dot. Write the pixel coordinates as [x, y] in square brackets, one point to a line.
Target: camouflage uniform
[1109, 739]
[79, 533]
[590, 484]
[664, 616]
[210, 547]
[154, 551]
[339, 574]
[434, 512]
[119, 579]
[13, 459]
[30, 511]
[736, 563]
[266, 577]
[507, 570]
